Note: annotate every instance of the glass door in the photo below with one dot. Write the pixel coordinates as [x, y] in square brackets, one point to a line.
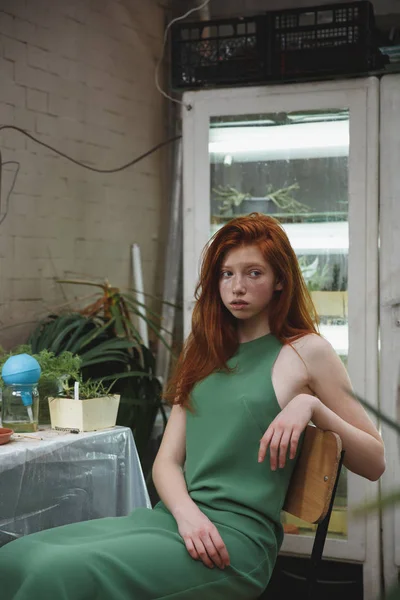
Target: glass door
[307, 155]
[294, 167]
[390, 313]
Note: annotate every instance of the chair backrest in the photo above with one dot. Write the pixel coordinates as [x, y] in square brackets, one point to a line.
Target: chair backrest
[313, 480]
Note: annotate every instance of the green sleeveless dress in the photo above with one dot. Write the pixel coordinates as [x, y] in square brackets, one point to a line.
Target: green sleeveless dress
[142, 556]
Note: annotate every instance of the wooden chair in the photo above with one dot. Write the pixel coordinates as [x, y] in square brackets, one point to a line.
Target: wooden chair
[312, 490]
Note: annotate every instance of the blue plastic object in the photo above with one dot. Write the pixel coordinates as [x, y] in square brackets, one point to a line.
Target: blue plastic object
[22, 369]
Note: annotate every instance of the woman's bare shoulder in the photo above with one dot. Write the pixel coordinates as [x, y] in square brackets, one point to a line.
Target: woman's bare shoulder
[311, 345]
[314, 349]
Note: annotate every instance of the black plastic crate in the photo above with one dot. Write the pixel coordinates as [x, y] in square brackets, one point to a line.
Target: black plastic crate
[323, 40]
[224, 51]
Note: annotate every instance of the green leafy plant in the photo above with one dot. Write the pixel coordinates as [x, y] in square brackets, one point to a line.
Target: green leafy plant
[284, 200]
[387, 500]
[51, 366]
[92, 339]
[117, 308]
[105, 338]
[129, 367]
[316, 278]
[231, 198]
[392, 498]
[58, 366]
[87, 389]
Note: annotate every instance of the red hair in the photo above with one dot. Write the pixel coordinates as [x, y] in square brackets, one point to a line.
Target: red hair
[214, 338]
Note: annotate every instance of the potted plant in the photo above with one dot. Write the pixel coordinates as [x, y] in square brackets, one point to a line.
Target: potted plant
[56, 369]
[105, 337]
[84, 406]
[233, 202]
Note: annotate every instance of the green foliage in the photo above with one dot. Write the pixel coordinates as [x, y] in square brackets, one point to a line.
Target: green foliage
[117, 307]
[284, 200]
[52, 367]
[320, 280]
[111, 353]
[388, 500]
[316, 278]
[87, 389]
[393, 498]
[230, 198]
[55, 367]
[375, 411]
[120, 362]
[91, 339]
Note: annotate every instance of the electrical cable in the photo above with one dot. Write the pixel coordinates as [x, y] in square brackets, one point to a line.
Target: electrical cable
[81, 164]
[8, 162]
[67, 157]
[84, 165]
[157, 72]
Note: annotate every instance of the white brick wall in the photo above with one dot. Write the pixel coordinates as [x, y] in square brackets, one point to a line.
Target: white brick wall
[78, 74]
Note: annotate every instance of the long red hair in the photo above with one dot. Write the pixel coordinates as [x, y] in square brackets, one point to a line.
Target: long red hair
[214, 338]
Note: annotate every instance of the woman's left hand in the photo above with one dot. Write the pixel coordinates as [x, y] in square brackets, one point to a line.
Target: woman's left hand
[286, 430]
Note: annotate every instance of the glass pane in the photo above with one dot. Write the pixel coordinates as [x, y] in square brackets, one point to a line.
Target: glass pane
[294, 166]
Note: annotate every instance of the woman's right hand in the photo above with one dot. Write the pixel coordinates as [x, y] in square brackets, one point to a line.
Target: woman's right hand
[201, 537]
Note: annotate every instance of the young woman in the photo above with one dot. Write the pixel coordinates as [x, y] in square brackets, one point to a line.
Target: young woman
[252, 375]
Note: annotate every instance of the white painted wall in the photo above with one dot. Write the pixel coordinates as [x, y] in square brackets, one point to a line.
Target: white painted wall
[78, 74]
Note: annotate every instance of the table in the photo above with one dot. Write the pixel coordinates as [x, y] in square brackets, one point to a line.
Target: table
[51, 478]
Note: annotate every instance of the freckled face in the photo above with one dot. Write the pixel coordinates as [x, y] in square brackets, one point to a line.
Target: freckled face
[247, 283]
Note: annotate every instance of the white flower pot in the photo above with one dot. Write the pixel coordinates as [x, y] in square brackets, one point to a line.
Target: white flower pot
[84, 415]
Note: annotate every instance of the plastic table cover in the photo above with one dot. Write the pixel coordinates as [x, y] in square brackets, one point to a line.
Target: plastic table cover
[51, 478]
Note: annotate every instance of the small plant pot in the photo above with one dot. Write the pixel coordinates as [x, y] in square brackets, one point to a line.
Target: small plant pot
[84, 415]
[261, 205]
[331, 304]
[5, 435]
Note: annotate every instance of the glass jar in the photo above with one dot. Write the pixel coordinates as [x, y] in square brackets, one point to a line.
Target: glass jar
[20, 407]
[48, 388]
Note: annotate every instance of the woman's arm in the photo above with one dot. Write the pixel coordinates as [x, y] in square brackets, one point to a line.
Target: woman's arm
[332, 408]
[335, 409]
[201, 537]
[167, 468]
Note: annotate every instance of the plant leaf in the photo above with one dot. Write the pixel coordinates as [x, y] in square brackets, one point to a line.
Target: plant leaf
[154, 328]
[109, 357]
[111, 344]
[387, 501]
[127, 375]
[81, 324]
[384, 418]
[116, 314]
[92, 335]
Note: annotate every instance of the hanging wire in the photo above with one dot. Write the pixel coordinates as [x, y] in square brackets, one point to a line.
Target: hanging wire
[67, 157]
[84, 165]
[7, 202]
[157, 72]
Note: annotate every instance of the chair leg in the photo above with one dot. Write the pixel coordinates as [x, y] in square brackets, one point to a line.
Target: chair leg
[319, 541]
